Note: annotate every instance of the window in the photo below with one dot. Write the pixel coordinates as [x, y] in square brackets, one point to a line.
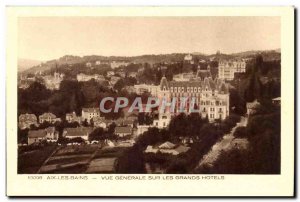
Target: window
[175, 89]
[212, 109]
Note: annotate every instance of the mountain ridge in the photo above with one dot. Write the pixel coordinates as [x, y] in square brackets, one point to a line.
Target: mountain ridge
[149, 58]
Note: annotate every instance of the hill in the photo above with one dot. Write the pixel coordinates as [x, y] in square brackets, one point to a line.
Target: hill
[24, 64]
[151, 59]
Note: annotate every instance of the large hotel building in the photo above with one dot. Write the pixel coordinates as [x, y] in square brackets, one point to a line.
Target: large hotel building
[211, 96]
[227, 68]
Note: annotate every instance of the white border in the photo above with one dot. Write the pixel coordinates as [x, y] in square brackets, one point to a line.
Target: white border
[253, 185]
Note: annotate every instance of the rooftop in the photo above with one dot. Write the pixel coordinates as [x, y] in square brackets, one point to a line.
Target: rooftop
[90, 110]
[48, 114]
[79, 131]
[36, 133]
[123, 130]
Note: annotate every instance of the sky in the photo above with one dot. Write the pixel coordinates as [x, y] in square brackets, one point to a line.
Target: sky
[46, 38]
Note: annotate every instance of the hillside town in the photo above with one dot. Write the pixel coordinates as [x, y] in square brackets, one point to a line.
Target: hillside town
[60, 123]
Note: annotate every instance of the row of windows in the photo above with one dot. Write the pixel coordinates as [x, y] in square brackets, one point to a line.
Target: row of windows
[212, 110]
[188, 89]
[212, 116]
[217, 103]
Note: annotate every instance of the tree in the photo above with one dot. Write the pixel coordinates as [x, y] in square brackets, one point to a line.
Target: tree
[237, 103]
[97, 134]
[240, 132]
[132, 161]
[254, 86]
[85, 123]
[22, 136]
[152, 137]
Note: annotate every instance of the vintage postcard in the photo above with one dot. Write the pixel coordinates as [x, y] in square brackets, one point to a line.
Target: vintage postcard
[150, 101]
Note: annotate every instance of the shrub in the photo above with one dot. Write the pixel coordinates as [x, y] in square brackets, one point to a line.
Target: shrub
[240, 132]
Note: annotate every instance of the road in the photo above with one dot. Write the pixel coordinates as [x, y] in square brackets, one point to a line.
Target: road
[225, 144]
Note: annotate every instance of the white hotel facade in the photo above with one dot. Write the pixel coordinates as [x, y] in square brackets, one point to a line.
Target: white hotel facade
[211, 98]
[227, 68]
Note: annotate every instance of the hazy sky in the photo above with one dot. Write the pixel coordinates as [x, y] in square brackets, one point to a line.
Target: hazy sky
[45, 38]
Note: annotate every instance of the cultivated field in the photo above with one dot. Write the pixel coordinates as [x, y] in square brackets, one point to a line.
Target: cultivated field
[72, 159]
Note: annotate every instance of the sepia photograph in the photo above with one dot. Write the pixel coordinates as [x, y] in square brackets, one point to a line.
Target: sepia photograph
[214, 84]
[116, 98]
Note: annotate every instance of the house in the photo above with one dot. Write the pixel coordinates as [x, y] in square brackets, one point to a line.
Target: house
[276, 101]
[117, 64]
[142, 128]
[51, 134]
[89, 113]
[48, 134]
[145, 88]
[141, 69]
[36, 136]
[53, 82]
[188, 57]
[48, 117]
[72, 117]
[163, 120]
[100, 122]
[180, 149]
[167, 145]
[114, 80]
[132, 117]
[170, 148]
[84, 77]
[24, 83]
[110, 73]
[128, 122]
[252, 106]
[227, 68]
[167, 148]
[79, 132]
[183, 76]
[186, 140]
[123, 131]
[150, 149]
[211, 96]
[88, 64]
[26, 120]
